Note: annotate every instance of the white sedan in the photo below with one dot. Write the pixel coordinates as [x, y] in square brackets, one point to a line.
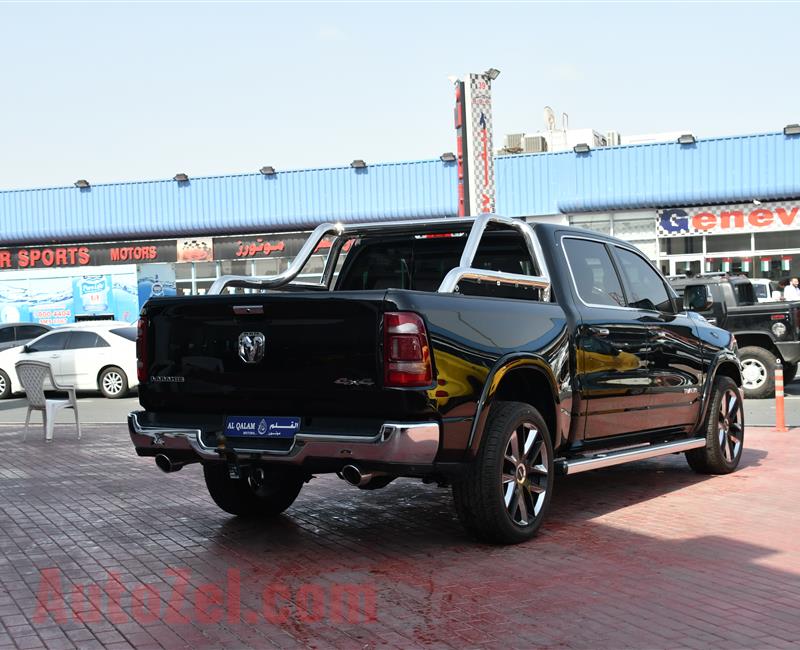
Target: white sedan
[97, 356]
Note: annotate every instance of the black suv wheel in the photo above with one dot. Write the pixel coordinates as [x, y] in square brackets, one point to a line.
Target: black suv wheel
[506, 493]
[724, 431]
[260, 491]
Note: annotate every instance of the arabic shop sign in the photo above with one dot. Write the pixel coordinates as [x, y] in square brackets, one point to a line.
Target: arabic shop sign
[258, 246]
[729, 219]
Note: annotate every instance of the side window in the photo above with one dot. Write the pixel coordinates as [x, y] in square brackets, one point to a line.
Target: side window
[29, 332]
[82, 340]
[645, 286]
[593, 272]
[50, 342]
[6, 334]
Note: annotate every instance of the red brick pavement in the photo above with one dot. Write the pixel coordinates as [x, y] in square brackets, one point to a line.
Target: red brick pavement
[100, 549]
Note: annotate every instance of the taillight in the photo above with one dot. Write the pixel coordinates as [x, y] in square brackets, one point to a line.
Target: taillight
[406, 352]
[141, 350]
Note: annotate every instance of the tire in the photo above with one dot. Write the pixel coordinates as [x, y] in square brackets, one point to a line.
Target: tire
[259, 492]
[497, 501]
[789, 372]
[724, 431]
[5, 386]
[758, 372]
[113, 383]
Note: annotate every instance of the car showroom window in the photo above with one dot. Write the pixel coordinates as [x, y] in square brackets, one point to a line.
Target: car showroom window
[644, 284]
[593, 272]
[54, 341]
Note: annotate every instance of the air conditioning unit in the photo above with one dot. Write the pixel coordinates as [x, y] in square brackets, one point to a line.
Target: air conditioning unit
[513, 142]
[534, 144]
[613, 138]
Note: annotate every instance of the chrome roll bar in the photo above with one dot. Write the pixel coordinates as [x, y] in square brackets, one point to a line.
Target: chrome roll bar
[475, 226]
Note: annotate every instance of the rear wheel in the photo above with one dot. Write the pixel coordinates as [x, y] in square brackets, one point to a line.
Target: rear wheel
[506, 493]
[258, 491]
[758, 372]
[724, 431]
[113, 383]
[5, 385]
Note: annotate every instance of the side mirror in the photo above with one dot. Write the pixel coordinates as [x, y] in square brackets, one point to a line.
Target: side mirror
[26, 349]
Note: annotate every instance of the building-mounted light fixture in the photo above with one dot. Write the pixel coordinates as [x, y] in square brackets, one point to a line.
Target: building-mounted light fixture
[581, 147]
[181, 178]
[687, 138]
[492, 73]
[83, 184]
[358, 164]
[267, 170]
[791, 129]
[448, 156]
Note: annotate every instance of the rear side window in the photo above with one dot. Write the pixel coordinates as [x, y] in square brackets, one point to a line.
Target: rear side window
[82, 340]
[645, 287]
[593, 272]
[745, 295]
[125, 332]
[6, 334]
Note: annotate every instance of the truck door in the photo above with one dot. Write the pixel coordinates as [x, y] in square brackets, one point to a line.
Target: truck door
[612, 344]
[674, 355]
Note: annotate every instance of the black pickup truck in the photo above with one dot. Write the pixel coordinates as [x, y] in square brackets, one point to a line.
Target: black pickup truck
[764, 331]
[485, 353]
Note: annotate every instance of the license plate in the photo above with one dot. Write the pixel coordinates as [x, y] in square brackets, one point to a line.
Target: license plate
[258, 426]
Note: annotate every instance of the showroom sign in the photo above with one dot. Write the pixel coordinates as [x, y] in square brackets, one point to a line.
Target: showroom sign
[726, 220]
[48, 257]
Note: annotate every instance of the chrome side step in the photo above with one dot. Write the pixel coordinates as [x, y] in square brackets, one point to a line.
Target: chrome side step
[610, 458]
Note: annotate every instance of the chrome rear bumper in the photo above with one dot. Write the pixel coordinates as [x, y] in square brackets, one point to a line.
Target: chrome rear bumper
[409, 443]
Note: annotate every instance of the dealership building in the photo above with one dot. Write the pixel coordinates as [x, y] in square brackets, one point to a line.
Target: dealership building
[717, 204]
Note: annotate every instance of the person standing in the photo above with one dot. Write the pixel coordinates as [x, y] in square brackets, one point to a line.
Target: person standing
[792, 290]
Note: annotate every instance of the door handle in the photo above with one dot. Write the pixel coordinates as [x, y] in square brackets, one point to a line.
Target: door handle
[599, 331]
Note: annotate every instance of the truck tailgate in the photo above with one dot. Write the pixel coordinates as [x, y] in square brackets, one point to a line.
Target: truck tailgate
[321, 356]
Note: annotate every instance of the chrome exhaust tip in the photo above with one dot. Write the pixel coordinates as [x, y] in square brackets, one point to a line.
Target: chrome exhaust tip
[165, 464]
[354, 476]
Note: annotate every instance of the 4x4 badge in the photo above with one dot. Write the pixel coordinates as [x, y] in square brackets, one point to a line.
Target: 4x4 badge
[251, 346]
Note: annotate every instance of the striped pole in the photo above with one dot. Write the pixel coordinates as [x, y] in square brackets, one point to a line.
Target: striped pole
[780, 417]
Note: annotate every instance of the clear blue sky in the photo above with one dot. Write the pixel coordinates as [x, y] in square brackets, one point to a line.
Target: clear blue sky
[115, 92]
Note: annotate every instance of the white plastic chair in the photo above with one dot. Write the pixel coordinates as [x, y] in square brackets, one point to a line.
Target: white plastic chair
[32, 375]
